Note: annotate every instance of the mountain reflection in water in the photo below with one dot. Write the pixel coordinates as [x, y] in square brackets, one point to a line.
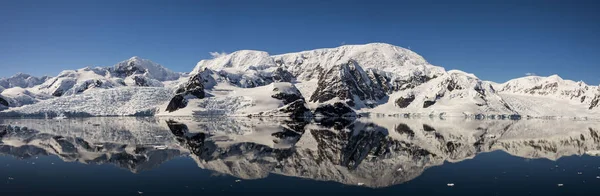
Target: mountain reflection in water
[375, 152]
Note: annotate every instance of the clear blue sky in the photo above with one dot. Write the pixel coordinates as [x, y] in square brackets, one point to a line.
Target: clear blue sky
[496, 40]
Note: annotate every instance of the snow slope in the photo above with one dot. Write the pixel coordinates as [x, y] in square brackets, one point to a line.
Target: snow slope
[230, 100]
[550, 96]
[60, 94]
[124, 101]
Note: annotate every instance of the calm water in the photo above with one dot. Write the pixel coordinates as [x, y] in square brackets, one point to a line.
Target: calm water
[196, 156]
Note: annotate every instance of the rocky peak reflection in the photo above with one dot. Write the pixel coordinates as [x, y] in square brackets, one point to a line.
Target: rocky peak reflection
[376, 152]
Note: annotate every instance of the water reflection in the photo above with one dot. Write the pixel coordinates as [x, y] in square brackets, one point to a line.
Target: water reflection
[377, 152]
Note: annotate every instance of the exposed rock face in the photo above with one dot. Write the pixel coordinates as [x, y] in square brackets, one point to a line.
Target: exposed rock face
[453, 85]
[296, 109]
[403, 102]
[427, 104]
[336, 110]
[288, 98]
[88, 84]
[347, 81]
[140, 81]
[293, 100]
[405, 130]
[128, 69]
[3, 102]
[194, 86]
[282, 75]
[138, 66]
[389, 85]
[177, 102]
[411, 82]
[594, 102]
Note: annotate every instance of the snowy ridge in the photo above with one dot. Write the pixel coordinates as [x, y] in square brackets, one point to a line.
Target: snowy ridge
[137, 65]
[84, 91]
[347, 80]
[551, 96]
[21, 80]
[351, 80]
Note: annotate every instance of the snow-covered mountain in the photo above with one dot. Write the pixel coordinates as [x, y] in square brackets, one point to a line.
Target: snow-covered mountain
[343, 81]
[550, 96]
[21, 80]
[92, 91]
[351, 80]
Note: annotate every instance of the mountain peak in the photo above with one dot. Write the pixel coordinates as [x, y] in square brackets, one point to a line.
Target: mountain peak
[135, 58]
[555, 77]
[137, 64]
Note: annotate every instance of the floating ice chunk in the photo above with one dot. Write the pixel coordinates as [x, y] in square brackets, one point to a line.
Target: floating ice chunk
[238, 180]
[160, 147]
[450, 184]
[560, 185]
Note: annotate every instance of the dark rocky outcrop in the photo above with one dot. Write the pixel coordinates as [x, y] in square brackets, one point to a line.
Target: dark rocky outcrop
[177, 102]
[404, 129]
[346, 81]
[294, 102]
[194, 86]
[58, 93]
[335, 123]
[296, 109]
[89, 84]
[363, 144]
[130, 69]
[428, 128]
[3, 102]
[287, 98]
[336, 110]
[140, 81]
[411, 82]
[282, 75]
[426, 104]
[390, 85]
[452, 85]
[403, 102]
[594, 102]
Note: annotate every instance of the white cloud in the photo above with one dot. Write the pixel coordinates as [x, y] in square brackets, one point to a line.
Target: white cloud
[530, 74]
[217, 54]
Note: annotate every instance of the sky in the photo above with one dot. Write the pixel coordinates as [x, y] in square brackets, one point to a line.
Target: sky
[495, 40]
